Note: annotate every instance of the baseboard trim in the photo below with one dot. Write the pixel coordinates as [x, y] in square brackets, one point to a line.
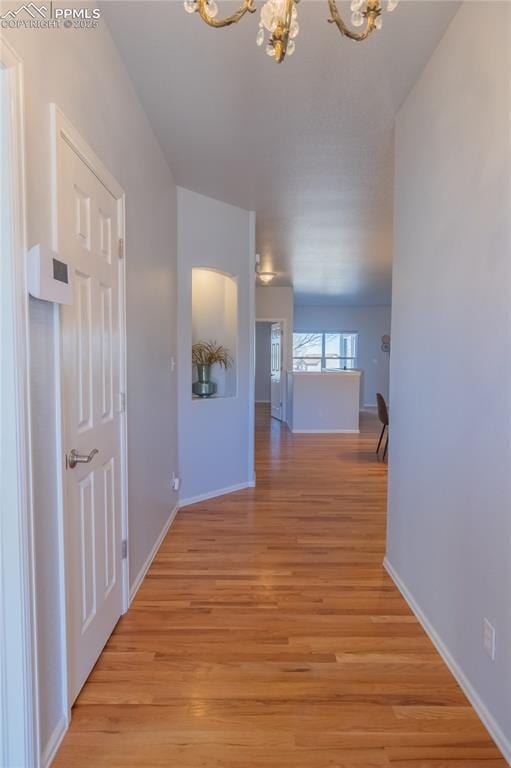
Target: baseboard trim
[493, 728]
[263, 401]
[214, 494]
[325, 431]
[152, 554]
[54, 742]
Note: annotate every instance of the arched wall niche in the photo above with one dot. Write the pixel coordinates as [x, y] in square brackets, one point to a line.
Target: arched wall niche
[215, 318]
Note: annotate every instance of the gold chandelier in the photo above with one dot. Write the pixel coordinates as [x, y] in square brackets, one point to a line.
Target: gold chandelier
[279, 18]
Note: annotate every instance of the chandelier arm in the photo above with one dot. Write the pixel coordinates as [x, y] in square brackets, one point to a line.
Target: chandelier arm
[372, 13]
[248, 5]
[281, 34]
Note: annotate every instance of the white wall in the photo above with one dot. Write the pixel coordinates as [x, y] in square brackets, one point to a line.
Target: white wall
[82, 72]
[277, 304]
[449, 526]
[371, 323]
[324, 402]
[215, 434]
[263, 363]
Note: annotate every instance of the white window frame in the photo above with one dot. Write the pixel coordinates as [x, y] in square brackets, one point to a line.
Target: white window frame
[323, 357]
[19, 705]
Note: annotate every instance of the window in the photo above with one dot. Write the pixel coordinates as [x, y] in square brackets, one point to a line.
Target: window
[324, 351]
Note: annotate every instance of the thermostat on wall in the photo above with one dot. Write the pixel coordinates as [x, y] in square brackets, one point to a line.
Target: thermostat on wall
[49, 277]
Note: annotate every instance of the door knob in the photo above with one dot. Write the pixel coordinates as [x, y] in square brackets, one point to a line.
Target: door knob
[75, 458]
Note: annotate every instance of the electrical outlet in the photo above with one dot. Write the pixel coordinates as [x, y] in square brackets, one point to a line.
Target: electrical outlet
[489, 639]
[175, 482]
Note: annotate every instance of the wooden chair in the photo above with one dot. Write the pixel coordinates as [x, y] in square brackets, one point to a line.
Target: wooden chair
[383, 415]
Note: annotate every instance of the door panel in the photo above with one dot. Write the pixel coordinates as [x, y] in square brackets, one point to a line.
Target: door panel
[87, 581]
[107, 382]
[276, 371]
[88, 221]
[110, 533]
[84, 351]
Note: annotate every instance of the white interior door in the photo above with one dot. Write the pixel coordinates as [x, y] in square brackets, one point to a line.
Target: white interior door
[88, 229]
[276, 371]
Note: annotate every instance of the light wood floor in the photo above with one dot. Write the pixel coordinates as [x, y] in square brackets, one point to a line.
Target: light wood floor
[267, 635]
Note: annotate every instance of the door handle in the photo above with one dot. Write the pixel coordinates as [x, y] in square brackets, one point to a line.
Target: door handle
[75, 458]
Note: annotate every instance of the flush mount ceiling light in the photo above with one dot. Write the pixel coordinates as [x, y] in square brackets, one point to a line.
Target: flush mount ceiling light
[279, 18]
[266, 277]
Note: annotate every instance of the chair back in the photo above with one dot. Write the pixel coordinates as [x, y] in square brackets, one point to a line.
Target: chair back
[383, 413]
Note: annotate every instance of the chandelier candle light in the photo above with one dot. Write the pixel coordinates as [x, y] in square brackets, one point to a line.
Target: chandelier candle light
[279, 18]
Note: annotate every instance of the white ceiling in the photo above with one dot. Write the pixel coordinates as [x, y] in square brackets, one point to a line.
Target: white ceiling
[307, 144]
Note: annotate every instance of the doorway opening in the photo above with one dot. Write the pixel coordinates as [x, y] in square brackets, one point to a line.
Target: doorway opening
[270, 376]
[263, 362]
[88, 206]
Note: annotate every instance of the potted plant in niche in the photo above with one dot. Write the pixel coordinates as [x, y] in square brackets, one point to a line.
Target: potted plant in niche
[204, 355]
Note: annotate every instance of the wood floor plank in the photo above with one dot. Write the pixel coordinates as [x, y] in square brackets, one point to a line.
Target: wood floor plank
[268, 635]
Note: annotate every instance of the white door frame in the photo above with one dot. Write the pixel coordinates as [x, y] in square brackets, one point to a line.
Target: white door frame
[64, 131]
[19, 706]
[283, 354]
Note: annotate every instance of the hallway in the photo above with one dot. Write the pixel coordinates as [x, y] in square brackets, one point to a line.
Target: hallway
[268, 635]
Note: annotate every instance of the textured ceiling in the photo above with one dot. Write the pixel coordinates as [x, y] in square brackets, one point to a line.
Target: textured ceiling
[307, 144]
